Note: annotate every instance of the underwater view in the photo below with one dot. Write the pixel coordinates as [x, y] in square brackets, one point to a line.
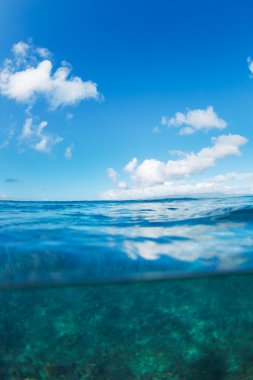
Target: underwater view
[127, 290]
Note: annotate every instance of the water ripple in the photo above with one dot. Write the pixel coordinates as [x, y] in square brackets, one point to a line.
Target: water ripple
[57, 242]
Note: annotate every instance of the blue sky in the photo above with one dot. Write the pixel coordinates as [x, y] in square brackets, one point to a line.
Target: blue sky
[145, 61]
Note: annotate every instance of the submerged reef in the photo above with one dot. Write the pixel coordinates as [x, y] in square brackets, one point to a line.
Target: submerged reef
[198, 329]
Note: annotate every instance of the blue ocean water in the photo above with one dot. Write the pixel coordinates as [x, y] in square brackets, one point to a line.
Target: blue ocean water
[127, 290]
[72, 242]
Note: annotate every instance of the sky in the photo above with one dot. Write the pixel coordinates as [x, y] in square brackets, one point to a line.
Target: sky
[125, 100]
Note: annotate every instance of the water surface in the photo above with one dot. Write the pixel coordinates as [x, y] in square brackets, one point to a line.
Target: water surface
[47, 242]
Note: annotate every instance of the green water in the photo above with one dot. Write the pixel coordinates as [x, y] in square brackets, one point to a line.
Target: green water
[172, 330]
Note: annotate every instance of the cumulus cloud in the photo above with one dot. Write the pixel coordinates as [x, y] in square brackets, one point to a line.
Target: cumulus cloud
[36, 138]
[30, 75]
[152, 171]
[155, 179]
[69, 151]
[195, 120]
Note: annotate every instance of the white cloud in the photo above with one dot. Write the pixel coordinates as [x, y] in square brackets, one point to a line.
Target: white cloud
[43, 52]
[35, 137]
[122, 185]
[195, 120]
[23, 85]
[155, 179]
[20, 48]
[28, 78]
[230, 184]
[112, 174]
[152, 171]
[131, 165]
[69, 151]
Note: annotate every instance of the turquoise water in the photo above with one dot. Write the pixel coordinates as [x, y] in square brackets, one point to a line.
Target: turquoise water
[127, 290]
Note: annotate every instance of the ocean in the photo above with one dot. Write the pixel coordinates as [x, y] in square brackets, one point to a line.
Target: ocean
[144, 290]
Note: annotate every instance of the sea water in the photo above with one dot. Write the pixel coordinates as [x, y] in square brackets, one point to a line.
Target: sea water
[127, 290]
